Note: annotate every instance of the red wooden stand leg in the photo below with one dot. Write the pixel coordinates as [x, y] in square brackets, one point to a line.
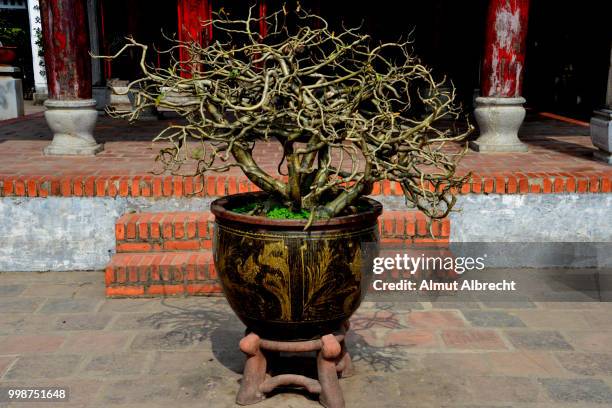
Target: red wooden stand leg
[331, 393]
[254, 371]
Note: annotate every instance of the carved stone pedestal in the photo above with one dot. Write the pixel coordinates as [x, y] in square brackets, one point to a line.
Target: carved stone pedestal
[72, 123]
[333, 362]
[499, 120]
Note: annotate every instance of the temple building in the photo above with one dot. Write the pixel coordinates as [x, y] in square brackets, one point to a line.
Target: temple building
[567, 46]
[555, 56]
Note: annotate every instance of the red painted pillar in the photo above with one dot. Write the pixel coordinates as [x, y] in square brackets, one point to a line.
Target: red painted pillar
[191, 16]
[263, 24]
[504, 58]
[66, 44]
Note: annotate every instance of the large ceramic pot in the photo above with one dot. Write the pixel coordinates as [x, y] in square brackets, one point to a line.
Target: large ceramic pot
[8, 55]
[285, 283]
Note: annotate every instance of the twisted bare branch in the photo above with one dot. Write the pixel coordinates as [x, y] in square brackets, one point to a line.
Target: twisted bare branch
[347, 114]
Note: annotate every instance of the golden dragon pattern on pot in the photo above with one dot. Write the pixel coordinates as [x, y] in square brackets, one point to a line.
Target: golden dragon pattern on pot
[287, 277]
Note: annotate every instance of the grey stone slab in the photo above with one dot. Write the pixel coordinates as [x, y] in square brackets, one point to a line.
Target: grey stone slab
[158, 389]
[71, 233]
[167, 340]
[5, 363]
[505, 390]
[78, 232]
[434, 390]
[173, 362]
[586, 363]
[140, 321]
[522, 304]
[11, 290]
[507, 217]
[373, 390]
[132, 305]
[578, 390]
[538, 340]
[82, 322]
[455, 305]
[52, 306]
[22, 323]
[481, 318]
[43, 366]
[60, 289]
[118, 364]
[19, 305]
[218, 387]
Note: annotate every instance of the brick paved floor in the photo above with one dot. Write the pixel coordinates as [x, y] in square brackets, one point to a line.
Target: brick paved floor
[555, 147]
[58, 329]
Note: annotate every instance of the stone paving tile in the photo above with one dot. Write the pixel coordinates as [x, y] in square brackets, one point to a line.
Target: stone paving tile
[578, 390]
[510, 304]
[369, 390]
[132, 305]
[487, 318]
[549, 319]
[40, 343]
[573, 305]
[11, 290]
[81, 391]
[165, 340]
[457, 364]
[20, 323]
[377, 319]
[184, 352]
[473, 340]
[586, 363]
[69, 306]
[505, 390]
[19, 305]
[171, 362]
[67, 290]
[82, 322]
[5, 363]
[598, 320]
[158, 389]
[538, 340]
[524, 363]
[43, 366]
[71, 278]
[433, 319]
[432, 390]
[140, 321]
[395, 306]
[411, 338]
[117, 365]
[476, 406]
[96, 342]
[455, 305]
[592, 340]
[207, 384]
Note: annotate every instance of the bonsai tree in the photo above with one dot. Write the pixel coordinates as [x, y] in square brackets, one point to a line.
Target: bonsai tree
[347, 112]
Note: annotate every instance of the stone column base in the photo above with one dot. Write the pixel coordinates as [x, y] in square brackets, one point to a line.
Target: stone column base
[72, 123]
[499, 120]
[39, 98]
[601, 134]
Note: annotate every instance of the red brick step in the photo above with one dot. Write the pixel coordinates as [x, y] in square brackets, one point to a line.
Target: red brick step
[161, 274]
[192, 231]
[171, 231]
[169, 254]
